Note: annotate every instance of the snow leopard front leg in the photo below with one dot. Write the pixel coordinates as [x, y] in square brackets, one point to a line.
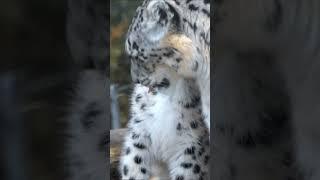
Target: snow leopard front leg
[190, 161]
[136, 158]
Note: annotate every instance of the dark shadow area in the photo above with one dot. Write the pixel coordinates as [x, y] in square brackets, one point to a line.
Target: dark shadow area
[40, 65]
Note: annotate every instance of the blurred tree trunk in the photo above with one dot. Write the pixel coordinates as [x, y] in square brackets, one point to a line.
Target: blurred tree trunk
[116, 140]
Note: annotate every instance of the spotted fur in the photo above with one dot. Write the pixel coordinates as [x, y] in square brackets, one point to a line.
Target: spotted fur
[175, 34]
[166, 126]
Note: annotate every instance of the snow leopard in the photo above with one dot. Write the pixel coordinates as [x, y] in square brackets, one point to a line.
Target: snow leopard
[167, 126]
[176, 34]
[267, 64]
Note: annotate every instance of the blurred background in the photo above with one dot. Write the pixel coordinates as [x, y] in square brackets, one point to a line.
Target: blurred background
[35, 72]
[41, 60]
[121, 14]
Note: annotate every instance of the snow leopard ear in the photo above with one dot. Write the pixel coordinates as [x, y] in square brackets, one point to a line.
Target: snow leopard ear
[159, 11]
[158, 19]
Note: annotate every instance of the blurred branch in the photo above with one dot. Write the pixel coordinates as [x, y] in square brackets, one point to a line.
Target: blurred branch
[124, 88]
[115, 115]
